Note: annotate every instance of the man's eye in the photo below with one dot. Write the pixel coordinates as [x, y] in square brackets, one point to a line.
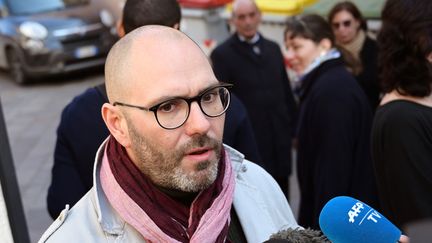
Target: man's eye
[241, 17]
[209, 97]
[169, 106]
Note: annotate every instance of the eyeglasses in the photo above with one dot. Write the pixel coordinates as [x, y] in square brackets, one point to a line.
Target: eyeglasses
[346, 24]
[173, 113]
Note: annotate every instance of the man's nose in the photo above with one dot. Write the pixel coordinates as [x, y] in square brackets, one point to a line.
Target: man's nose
[197, 122]
[249, 20]
[289, 54]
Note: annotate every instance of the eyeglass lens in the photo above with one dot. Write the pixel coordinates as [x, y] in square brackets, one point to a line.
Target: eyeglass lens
[346, 24]
[174, 113]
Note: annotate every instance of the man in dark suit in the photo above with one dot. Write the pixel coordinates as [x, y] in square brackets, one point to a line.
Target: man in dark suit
[256, 68]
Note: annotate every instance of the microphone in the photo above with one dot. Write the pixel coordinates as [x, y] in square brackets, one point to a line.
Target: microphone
[298, 235]
[347, 220]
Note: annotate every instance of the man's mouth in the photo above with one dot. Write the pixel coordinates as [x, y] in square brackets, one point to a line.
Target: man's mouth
[198, 151]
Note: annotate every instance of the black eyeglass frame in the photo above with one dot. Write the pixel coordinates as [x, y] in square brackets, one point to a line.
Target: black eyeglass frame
[188, 101]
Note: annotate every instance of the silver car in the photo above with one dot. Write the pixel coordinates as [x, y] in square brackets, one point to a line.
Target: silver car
[45, 37]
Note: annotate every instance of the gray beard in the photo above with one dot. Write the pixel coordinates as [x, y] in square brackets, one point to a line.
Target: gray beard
[164, 167]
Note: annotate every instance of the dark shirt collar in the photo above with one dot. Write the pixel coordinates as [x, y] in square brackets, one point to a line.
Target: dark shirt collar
[186, 198]
[251, 41]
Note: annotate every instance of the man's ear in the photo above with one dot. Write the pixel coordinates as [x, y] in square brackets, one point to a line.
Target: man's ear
[325, 44]
[116, 124]
[232, 19]
[120, 28]
[259, 15]
[176, 26]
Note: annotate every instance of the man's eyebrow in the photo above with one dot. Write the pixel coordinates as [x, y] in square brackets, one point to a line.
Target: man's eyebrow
[164, 98]
[209, 87]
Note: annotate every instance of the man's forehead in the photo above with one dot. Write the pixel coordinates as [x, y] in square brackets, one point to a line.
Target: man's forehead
[244, 7]
[159, 93]
[164, 66]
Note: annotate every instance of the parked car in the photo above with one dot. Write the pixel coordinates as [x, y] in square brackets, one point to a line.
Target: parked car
[45, 37]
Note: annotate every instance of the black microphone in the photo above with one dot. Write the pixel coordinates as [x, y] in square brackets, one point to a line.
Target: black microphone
[298, 235]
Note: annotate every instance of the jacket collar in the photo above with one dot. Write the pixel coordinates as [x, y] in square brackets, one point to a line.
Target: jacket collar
[108, 218]
[310, 79]
[110, 221]
[252, 41]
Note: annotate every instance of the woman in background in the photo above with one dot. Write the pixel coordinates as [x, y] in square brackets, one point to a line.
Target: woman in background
[349, 28]
[334, 121]
[402, 129]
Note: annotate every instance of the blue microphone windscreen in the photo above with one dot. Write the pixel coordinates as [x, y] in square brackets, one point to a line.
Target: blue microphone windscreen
[348, 220]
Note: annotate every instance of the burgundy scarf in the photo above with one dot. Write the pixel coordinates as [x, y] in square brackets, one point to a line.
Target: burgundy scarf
[172, 217]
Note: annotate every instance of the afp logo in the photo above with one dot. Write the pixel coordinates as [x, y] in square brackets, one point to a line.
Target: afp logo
[358, 212]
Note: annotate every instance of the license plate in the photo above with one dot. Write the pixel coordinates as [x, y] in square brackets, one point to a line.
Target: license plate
[86, 51]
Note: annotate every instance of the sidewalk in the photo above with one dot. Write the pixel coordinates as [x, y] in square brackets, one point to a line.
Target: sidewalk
[32, 114]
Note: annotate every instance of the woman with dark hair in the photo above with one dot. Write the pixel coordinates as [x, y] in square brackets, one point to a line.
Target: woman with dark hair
[402, 129]
[334, 121]
[350, 28]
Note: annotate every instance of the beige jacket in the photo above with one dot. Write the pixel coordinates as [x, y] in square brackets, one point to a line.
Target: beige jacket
[258, 201]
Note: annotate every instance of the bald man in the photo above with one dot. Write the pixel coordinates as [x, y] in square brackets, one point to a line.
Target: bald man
[77, 142]
[164, 175]
[255, 66]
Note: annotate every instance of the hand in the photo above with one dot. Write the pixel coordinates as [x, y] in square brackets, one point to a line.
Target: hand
[404, 239]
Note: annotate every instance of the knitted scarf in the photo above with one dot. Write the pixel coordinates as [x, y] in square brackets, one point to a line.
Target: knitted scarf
[154, 214]
[355, 46]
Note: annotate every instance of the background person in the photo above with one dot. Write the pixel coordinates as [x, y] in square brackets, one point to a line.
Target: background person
[256, 67]
[402, 128]
[164, 175]
[350, 30]
[82, 130]
[333, 155]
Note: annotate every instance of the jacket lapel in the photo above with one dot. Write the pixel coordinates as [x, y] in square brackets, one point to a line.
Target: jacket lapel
[256, 222]
[253, 215]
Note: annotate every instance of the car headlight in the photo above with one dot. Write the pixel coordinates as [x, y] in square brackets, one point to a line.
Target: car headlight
[33, 30]
[34, 46]
[106, 18]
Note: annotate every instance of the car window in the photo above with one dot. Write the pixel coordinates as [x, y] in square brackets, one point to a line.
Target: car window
[23, 7]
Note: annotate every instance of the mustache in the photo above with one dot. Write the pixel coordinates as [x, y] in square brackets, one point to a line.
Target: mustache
[201, 141]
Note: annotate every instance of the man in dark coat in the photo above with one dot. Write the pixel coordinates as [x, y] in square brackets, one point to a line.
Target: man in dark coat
[256, 68]
[82, 130]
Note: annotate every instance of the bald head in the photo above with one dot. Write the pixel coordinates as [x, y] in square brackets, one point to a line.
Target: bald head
[239, 4]
[149, 51]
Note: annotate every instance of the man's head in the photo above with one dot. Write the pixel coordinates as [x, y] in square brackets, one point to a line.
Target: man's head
[137, 13]
[246, 17]
[149, 66]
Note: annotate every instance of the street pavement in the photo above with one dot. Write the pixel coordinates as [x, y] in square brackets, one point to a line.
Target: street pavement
[32, 113]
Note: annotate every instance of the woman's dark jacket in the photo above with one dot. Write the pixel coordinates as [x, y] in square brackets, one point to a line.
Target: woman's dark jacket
[333, 133]
[368, 77]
